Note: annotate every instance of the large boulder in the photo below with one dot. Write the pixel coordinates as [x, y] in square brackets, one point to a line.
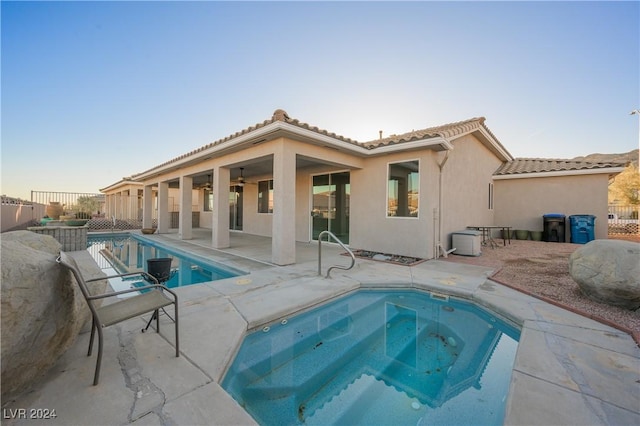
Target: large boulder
[42, 308]
[608, 271]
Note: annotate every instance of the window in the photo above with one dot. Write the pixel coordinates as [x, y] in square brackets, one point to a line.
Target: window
[403, 189]
[208, 200]
[265, 196]
[491, 196]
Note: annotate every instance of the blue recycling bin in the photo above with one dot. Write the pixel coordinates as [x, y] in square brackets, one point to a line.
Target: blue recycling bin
[582, 227]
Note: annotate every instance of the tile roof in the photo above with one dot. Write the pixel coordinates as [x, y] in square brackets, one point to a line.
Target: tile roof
[445, 131]
[543, 165]
[278, 115]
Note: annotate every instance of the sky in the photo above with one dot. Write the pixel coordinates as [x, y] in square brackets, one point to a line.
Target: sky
[96, 91]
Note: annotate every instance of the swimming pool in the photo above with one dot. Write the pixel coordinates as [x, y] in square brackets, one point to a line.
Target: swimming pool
[120, 253]
[378, 357]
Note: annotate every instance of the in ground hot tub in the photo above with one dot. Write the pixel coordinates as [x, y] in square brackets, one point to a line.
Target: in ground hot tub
[378, 357]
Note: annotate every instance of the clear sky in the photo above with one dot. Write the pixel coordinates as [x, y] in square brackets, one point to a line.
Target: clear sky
[95, 91]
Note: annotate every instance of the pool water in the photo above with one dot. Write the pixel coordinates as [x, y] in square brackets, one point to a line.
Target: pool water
[121, 253]
[378, 357]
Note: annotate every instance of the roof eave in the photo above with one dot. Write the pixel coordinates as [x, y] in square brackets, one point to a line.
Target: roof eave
[214, 149]
[528, 175]
[280, 128]
[494, 145]
[120, 183]
[437, 143]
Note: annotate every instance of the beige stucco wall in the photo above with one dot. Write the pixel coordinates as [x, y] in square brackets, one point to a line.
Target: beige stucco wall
[521, 203]
[17, 216]
[466, 178]
[371, 229]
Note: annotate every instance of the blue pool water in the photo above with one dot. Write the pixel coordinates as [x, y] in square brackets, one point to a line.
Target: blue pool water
[120, 253]
[378, 358]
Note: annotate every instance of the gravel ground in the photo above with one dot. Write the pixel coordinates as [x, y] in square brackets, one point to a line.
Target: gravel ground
[542, 269]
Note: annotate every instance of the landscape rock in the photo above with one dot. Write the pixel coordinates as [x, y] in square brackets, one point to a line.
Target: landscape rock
[42, 309]
[608, 271]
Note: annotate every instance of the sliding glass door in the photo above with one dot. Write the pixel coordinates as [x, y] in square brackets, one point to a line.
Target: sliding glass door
[235, 208]
[330, 206]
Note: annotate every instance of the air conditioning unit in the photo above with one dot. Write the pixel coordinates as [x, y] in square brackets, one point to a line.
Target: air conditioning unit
[467, 242]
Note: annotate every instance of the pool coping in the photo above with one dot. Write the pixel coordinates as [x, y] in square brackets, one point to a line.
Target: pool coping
[569, 369]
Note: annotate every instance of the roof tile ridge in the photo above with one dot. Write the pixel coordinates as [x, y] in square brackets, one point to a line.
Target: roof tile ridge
[439, 130]
[448, 129]
[281, 115]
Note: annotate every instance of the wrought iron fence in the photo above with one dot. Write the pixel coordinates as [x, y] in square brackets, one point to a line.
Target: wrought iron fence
[72, 203]
[623, 219]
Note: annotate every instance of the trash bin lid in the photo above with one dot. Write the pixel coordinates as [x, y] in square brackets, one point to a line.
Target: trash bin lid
[554, 215]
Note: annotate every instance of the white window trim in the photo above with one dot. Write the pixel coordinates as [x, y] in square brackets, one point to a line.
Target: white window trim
[386, 206]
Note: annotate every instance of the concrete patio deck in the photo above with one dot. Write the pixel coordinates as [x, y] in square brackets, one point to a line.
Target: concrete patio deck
[568, 369]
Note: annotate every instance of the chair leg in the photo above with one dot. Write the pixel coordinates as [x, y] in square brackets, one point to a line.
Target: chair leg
[96, 376]
[157, 315]
[93, 332]
[177, 337]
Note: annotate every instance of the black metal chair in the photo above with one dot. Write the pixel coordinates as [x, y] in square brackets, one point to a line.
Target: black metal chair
[154, 297]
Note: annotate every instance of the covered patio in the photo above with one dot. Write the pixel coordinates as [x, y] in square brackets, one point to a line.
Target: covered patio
[252, 252]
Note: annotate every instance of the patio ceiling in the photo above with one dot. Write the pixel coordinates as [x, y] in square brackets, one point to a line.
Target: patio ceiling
[251, 168]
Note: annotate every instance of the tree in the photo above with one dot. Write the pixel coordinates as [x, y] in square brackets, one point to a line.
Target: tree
[625, 188]
[88, 204]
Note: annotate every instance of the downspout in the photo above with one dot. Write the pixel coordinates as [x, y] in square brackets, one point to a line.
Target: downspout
[439, 247]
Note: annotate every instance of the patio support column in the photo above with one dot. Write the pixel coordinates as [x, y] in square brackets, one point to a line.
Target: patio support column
[116, 204]
[283, 233]
[220, 216]
[107, 206]
[185, 231]
[133, 205]
[163, 207]
[147, 206]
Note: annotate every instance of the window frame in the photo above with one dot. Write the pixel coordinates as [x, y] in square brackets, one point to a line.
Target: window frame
[491, 195]
[389, 164]
[207, 202]
[269, 193]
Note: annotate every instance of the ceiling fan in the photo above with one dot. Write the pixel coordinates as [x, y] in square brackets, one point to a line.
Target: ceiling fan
[207, 185]
[240, 180]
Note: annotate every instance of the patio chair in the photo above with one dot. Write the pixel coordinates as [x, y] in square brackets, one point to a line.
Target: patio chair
[154, 298]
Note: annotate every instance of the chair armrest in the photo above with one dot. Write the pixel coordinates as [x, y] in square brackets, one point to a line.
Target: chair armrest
[128, 274]
[132, 290]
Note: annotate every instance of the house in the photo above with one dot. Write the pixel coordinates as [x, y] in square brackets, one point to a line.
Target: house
[403, 194]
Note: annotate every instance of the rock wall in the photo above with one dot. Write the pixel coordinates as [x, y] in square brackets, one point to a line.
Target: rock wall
[42, 308]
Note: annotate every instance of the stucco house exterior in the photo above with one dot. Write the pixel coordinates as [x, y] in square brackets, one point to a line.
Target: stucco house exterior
[403, 194]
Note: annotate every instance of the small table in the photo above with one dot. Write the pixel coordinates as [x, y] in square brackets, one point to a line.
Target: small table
[487, 238]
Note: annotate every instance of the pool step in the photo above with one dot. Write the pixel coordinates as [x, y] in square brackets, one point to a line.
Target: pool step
[284, 346]
[323, 376]
[320, 362]
[356, 404]
[420, 376]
